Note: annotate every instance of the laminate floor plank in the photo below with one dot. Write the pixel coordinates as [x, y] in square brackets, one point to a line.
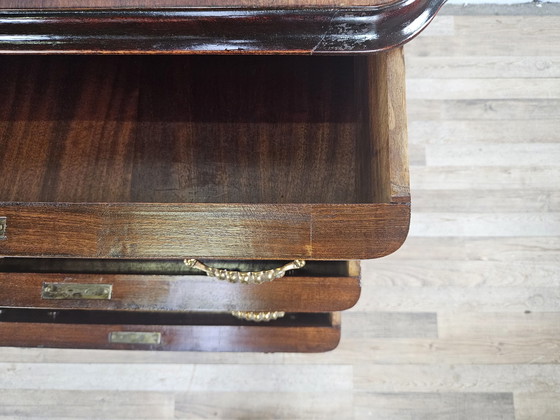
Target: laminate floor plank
[461, 132]
[485, 224]
[465, 89]
[494, 36]
[489, 201]
[536, 325]
[484, 109]
[461, 351]
[264, 405]
[531, 249]
[457, 378]
[177, 378]
[531, 66]
[495, 155]
[428, 406]
[43, 403]
[489, 178]
[468, 274]
[460, 299]
[363, 325]
[537, 405]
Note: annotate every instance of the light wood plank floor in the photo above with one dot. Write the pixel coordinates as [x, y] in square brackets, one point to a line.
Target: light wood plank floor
[462, 323]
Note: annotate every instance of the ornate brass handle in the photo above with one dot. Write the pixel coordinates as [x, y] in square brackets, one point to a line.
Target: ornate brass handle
[258, 316]
[246, 277]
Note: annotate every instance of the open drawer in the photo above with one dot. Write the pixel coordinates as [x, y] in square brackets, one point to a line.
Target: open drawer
[168, 286]
[253, 157]
[167, 331]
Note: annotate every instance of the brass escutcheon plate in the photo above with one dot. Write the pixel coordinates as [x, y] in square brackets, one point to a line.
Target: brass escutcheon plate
[77, 291]
[3, 223]
[134, 337]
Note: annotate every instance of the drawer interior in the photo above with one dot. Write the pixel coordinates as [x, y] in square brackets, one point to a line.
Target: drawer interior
[45, 316]
[191, 129]
[167, 267]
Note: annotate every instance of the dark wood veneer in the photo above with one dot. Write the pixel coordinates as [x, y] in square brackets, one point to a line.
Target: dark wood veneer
[189, 30]
[135, 4]
[133, 157]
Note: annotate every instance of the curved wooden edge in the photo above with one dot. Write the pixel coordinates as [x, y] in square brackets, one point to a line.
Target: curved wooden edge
[228, 231]
[214, 30]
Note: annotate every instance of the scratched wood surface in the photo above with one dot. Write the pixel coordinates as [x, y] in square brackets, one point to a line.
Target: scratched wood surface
[461, 323]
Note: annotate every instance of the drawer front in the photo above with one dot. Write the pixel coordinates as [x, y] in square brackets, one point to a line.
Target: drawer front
[143, 292]
[152, 331]
[229, 231]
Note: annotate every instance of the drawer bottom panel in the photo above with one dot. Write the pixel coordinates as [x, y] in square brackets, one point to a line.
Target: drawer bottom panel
[295, 332]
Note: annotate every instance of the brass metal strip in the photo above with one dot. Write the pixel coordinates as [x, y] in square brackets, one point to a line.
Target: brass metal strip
[134, 337]
[76, 291]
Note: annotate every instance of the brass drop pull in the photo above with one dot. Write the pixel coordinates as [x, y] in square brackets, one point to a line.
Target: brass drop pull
[258, 316]
[245, 277]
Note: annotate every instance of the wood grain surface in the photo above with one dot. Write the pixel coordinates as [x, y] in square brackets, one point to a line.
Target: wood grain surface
[147, 157]
[449, 358]
[186, 293]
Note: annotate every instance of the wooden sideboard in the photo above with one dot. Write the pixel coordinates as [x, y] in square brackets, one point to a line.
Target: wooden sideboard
[144, 147]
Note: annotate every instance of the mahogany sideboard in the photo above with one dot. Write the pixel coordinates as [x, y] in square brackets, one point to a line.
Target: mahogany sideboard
[194, 175]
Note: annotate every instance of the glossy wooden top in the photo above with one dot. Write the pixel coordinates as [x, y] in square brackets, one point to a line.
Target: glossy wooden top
[87, 4]
[210, 26]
